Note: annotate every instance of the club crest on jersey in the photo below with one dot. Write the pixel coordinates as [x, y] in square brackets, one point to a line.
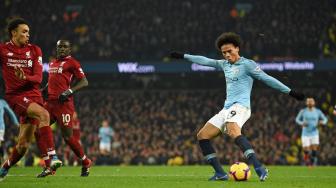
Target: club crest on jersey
[30, 63]
[28, 54]
[235, 70]
[257, 69]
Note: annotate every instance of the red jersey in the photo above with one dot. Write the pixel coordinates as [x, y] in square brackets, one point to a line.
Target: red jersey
[61, 73]
[29, 58]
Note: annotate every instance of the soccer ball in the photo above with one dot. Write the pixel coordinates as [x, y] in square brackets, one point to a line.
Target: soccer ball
[240, 171]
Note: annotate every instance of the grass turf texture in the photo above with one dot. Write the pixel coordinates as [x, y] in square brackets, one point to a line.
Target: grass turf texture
[170, 177]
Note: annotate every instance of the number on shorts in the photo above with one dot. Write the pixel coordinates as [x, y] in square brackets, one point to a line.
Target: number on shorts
[231, 114]
[66, 118]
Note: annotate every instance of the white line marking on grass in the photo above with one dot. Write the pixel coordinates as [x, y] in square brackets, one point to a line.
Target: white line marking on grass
[114, 175]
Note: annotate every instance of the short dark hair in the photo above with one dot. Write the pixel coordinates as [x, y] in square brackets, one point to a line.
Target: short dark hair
[14, 23]
[228, 38]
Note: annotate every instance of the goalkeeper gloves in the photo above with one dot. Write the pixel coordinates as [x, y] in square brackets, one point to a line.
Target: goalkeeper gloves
[65, 95]
[177, 55]
[297, 95]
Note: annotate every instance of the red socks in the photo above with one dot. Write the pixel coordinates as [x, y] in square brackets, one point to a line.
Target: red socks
[13, 159]
[77, 148]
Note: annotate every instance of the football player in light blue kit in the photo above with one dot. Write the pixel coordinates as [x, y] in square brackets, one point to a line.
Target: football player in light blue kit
[309, 119]
[239, 73]
[5, 108]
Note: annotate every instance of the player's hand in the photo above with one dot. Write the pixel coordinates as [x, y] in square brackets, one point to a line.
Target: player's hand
[304, 124]
[177, 55]
[19, 73]
[65, 96]
[297, 95]
[321, 122]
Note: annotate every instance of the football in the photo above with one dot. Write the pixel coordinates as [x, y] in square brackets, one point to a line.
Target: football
[240, 171]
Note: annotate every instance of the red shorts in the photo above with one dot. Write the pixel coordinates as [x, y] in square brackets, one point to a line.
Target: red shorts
[61, 113]
[20, 104]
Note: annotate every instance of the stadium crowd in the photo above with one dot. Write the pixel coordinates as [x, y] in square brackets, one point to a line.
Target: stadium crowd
[160, 126]
[112, 31]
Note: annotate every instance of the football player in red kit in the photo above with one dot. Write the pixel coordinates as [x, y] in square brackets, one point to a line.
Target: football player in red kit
[60, 104]
[21, 64]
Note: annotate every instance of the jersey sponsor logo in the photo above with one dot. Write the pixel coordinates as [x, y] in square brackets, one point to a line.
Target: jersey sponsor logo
[228, 79]
[19, 63]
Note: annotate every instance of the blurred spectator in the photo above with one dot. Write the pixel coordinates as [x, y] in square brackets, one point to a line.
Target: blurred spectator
[105, 137]
[110, 30]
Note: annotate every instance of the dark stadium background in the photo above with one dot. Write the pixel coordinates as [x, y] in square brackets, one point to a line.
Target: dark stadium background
[157, 114]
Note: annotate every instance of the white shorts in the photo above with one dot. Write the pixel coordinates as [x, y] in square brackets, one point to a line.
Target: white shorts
[105, 146]
[236, 113]
[310, 140]
[2, 135]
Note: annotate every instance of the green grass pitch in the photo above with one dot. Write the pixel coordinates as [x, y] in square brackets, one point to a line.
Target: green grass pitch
[170, 177]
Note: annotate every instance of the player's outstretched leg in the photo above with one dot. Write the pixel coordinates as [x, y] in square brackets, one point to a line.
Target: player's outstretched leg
[249, 153]
[204, 135]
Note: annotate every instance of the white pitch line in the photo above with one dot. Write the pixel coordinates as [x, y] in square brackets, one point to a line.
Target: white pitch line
[113, 175]
[152, 175]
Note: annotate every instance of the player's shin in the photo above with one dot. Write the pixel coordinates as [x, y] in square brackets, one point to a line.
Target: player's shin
[14, 158]
[306, 157]
[210, 155]
[248, 151]
[43, 148]
[77, 148]
[313, 159]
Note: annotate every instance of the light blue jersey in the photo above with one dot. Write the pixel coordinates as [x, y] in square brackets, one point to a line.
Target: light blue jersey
[311, 119]
[105, 134]
[4, 107]
[239, 78]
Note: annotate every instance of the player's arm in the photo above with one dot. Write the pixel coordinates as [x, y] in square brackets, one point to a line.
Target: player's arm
[299, 118]
[323, 118]
[201, 60]
[36, 77]
[80, 83]
[11, 114]
[256, 72]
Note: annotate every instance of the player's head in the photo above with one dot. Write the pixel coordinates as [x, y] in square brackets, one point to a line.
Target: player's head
[18, 31]
[105, 123]
[229, 44]
[310, 102]
[63, 48]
